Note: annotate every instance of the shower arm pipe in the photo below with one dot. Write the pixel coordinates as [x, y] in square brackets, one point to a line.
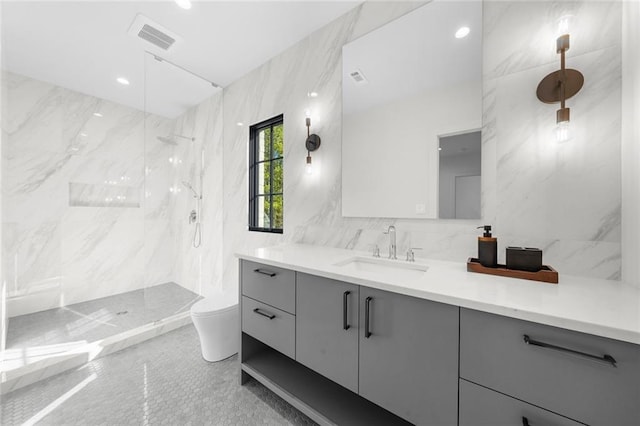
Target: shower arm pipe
[192, 139]
[161, 59]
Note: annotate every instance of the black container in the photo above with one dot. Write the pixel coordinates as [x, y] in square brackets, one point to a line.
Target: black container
[488, 248]
[488, 252]
[524, 259]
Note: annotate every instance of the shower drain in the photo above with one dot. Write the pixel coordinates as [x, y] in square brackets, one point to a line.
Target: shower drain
[122, 313]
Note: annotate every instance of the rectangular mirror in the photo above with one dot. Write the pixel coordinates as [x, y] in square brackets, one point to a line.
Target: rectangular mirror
[412, 115]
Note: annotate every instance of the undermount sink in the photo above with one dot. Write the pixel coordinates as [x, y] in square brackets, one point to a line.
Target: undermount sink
[395, 268]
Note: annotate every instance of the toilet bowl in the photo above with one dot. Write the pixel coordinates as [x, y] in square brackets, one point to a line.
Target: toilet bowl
[216, 319]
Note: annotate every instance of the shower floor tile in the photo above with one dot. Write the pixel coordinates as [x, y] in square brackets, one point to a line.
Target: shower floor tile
[35, 336]
[163, 381]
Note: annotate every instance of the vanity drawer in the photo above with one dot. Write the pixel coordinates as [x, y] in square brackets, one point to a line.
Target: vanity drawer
[480, 406]
[562, 379]
[271, 326]
[269, 284]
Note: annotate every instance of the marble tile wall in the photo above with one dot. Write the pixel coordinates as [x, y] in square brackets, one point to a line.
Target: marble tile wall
[565, 199]
[4, 323]
[631, 142]
[58, 252]
[199, 269]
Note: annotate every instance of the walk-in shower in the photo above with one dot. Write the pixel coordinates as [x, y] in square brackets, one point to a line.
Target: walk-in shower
[93, 240]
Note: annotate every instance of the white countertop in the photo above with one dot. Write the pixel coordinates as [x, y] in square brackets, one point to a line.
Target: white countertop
[600, 307]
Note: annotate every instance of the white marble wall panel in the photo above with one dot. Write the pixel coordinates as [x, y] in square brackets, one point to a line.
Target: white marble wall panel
[4, 323]
[102, 257]
[631, 142]
[199, 269]
[564, 199]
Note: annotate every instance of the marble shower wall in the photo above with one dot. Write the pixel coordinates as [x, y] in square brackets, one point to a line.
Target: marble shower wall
[4, 322]
[78, 221]
[199, 269]
[565, 199]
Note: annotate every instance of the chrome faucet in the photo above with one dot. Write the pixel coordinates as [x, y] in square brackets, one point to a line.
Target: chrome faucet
[392, 241]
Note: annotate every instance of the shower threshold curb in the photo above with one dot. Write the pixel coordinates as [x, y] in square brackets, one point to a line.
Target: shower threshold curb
[20, 377]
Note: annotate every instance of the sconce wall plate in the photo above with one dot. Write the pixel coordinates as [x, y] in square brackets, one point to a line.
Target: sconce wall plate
[313, 142]
[549, 90]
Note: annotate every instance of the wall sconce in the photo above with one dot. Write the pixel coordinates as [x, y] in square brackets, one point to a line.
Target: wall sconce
[312, 143]
[562, 84]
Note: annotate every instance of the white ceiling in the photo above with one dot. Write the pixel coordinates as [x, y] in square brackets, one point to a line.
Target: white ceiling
[84, 45]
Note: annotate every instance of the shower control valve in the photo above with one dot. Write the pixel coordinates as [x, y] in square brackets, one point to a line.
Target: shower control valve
[193, 217]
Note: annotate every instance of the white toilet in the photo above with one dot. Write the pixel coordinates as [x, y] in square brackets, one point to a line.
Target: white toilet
[217, 321]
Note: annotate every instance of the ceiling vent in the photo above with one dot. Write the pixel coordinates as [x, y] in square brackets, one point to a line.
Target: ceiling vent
[357, 76]
[152, 32]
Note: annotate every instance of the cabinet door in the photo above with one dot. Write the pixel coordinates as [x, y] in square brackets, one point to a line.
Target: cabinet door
[327, 328]
[409, 361]
[480, 406]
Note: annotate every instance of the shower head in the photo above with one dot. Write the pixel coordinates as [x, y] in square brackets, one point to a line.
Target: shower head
[171, 139]
[188, 185]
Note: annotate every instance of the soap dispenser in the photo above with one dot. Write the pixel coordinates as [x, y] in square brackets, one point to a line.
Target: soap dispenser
[487, 248]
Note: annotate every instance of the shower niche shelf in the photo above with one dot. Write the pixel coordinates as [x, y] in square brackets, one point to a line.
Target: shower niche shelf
[101, 195]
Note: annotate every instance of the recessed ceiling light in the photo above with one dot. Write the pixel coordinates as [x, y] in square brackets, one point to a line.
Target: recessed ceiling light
[185, 4]
[84, 135]
[313, 94]
[123, 81]
[239, 123]
[97, 114]
[462, 32]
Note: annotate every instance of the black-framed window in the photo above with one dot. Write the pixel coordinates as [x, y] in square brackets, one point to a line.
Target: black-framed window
[266, 169]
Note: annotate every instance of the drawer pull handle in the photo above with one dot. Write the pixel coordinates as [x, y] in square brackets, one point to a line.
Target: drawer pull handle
[267, 273]
[525, 421]
[367, 304]
[345, 306]
[264, 314]
[605, 358]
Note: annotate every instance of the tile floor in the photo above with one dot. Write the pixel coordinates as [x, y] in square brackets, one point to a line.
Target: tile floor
[163, 381]
[96, 319]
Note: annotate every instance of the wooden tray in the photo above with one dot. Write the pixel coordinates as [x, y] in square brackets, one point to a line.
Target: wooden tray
[547, 274]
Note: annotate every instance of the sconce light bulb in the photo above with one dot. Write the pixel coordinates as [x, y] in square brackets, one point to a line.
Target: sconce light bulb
[563, 131]
[564, 24]
[309, 166]
[307, 113]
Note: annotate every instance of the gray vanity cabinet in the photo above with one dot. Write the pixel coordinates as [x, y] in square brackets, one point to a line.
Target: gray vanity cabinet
[409, 356]
[327, 328]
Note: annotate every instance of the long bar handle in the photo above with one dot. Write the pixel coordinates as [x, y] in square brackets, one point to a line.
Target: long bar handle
[367, 304]
[263, 313]
[264, 272]
[345, 310]
[605, 358]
